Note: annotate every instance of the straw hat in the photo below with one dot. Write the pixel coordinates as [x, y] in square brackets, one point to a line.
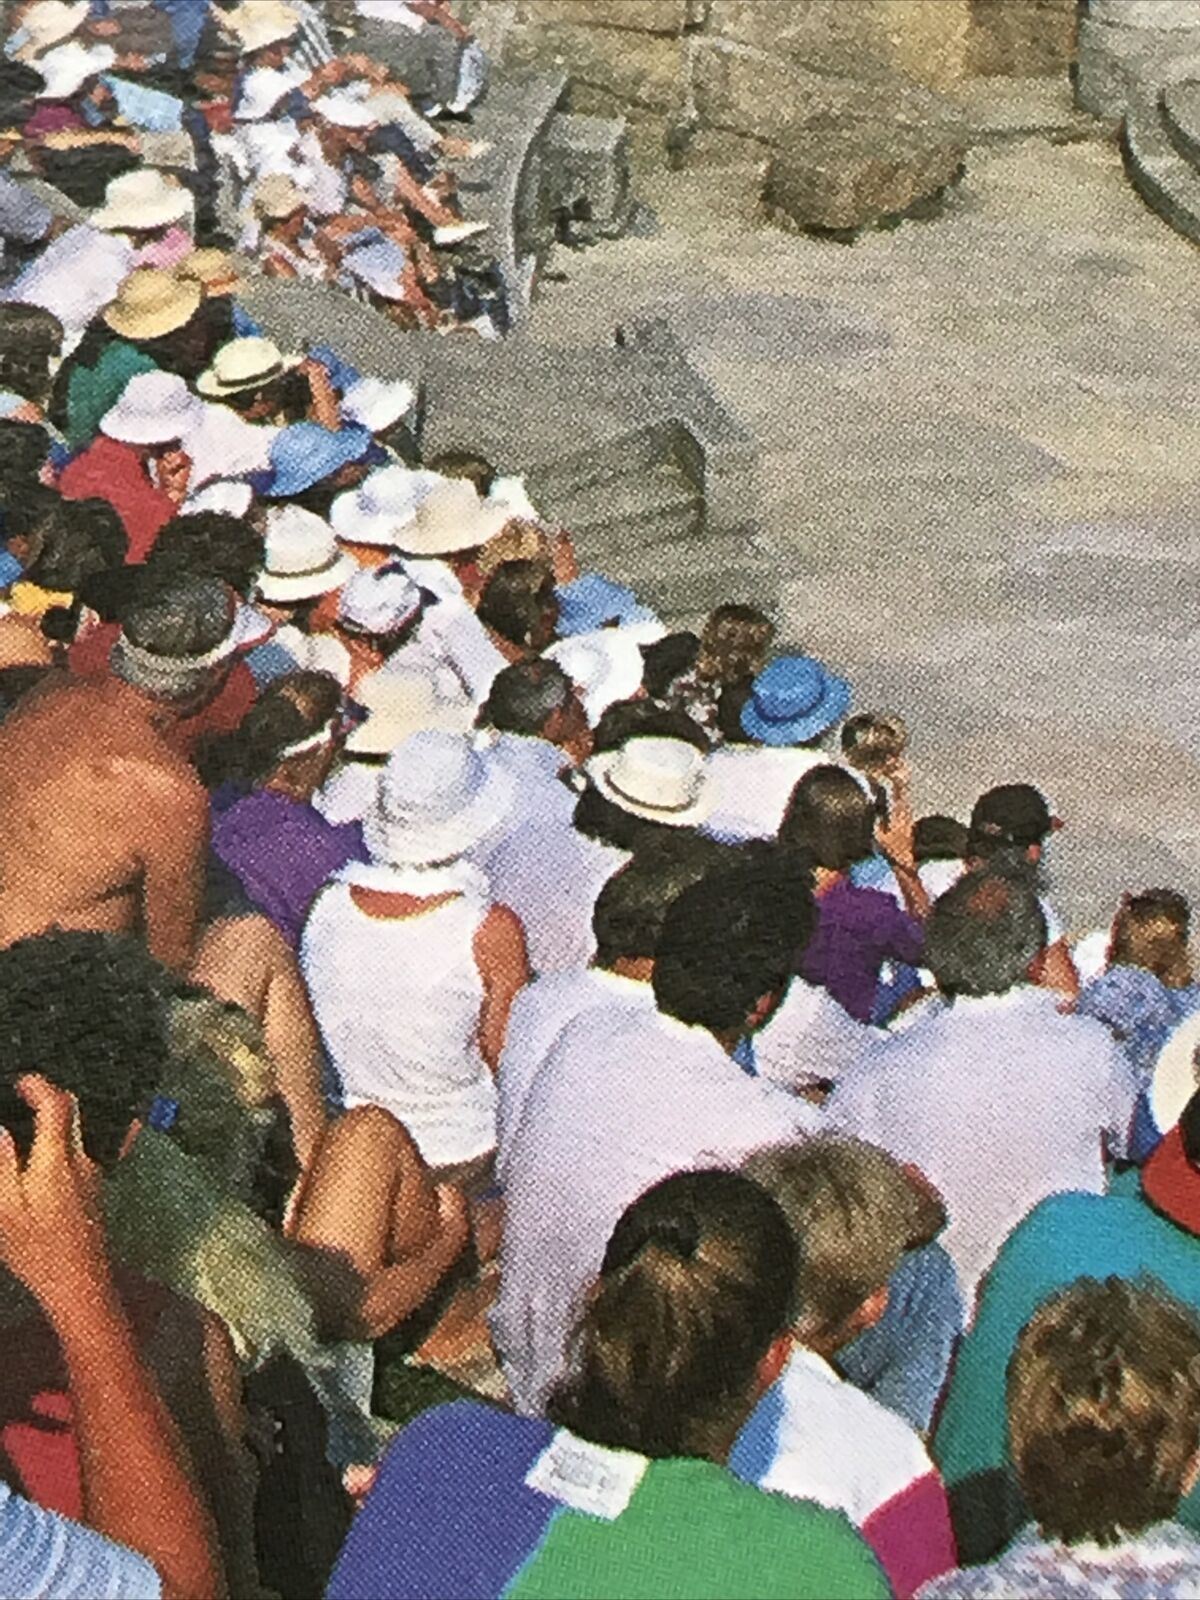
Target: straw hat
[401, 701]
[49, 22]
[65, 70]
[244, 364]
[143, 200]
[438, 797]
[258, 23]
[383, 506]
[277, 196]
[447, 515]
[662, 780]
[302, 559]
[154, 408]
[216, 271]
[150, 303]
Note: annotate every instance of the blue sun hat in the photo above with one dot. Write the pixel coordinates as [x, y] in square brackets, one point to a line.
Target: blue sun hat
[306, 453]
[793, 701]
[593, 601]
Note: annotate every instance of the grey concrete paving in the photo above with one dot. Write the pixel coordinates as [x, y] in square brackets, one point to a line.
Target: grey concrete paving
[981, 484]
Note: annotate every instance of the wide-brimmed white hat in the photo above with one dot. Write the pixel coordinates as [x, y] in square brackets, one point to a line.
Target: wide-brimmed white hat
[405, 700]
[1175, 1078]
[66, 69]
[449, 517]
[154, 408]
[605, 666]
[302, 558]
[379, 601]
[223, 494]
[439, 796]
[376, 403]
[262, 90]
[222, 444]
[258, 23]
[49, 22]
[244, 364]
[142, 200]
[662, 780]
[383, 506]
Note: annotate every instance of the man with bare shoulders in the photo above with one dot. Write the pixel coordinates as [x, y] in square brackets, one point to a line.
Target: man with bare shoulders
[106, 825]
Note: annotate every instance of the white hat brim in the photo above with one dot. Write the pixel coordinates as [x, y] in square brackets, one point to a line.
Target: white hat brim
[141, 429]
[143, 220]
[599, 768]
[209, 385]
[406, 846]
[1173, 1081]
[380, 733]
[282, 589]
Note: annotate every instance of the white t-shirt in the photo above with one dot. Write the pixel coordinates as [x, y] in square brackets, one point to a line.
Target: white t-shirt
[622, 1101]
[810, 1039]
[752, 785]
[1000, 1101]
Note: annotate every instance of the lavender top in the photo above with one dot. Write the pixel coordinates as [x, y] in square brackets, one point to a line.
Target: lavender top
[857, 931]
[282, 851]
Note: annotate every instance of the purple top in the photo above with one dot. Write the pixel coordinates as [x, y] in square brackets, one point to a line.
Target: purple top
[282, 851]
[857, 931]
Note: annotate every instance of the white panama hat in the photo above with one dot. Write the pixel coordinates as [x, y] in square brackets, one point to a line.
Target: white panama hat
[154, 408]
[302, 557]
[142, 200]
[439, 796]
[244, 364]
[662, 780]
[403, 701]
[376, 403]
[262, 90]
[383, 506]
[379, 601]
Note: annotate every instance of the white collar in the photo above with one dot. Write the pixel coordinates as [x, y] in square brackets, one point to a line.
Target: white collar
[451, 877]
[630, 988]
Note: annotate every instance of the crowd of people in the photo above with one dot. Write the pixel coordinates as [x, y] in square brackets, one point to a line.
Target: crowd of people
[501, 1096]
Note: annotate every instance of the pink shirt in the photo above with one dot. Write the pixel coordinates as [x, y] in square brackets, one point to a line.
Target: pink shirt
[166, 252]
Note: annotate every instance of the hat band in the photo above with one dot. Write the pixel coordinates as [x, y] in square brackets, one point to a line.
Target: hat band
[361, 632]
[153, 662]
[275, 371]
[314, 741]
[647, 805]
[304, 572]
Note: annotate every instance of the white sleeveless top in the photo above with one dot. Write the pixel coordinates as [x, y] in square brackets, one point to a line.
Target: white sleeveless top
[398, 1000]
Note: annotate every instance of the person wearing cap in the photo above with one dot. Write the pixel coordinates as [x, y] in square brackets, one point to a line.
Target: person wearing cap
[1014, 817]
[856, 1214]
[1145, 1231]
[139, 462]
[793, 705]
[623, 1102]
[412, 967]
[967, 1092]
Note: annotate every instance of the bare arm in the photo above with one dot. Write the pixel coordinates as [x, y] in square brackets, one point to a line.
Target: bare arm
[503, 961]
[175, 835]
[136, 1487]
[1054, 969]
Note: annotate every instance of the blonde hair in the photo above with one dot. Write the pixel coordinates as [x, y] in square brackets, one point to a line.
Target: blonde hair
[735, 644]
[518, 540]
[873, 743]
[1151, 931]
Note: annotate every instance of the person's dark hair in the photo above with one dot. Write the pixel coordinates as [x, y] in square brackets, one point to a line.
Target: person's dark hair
[515, 601]
[1012, 816]
[831, 818]
[1151, 930]
[984, 932]
[208, 544]
[179, 617]
[696, 1285]
[288, 395]
[1104, 1409]
[30, 338]
[15, 684]
[24, 447]
[19, 86]
[599, 818]
[632, 907]
[287, 711]
[524, 696]
[86, 1010]
[667, 660]
[477, 470]
[729, 941]
[735, 644]
[939, 838]
[84, 174]
[73, 540]
[642, 719]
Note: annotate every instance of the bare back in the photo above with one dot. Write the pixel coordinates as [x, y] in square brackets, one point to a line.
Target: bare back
[105, 826]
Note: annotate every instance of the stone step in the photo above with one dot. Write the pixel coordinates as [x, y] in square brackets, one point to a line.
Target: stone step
[638, 451]
[1165, 179]
[1180, 111]
[643, 508]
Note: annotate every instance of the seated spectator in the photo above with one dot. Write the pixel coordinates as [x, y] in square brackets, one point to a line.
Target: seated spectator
[31, 341]
[856, 1215]
[412, 968]
[303, 573]
[265, 829]
[963, 1093]
[708, 1256]
[597, 1125]
[154, 212]
[793, 704]
[379, 611]
[150, 1531]
[519, 609]
[1103, 1391]
[1015, 817]
[831, 821]
[714, 686]
[1148, 1230]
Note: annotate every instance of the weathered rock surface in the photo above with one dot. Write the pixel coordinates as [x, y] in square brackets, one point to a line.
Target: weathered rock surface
[845, 179]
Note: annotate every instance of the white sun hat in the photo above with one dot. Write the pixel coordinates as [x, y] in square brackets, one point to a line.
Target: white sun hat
[48, 23]
[262, 90]
[244, 364]
[403, 701]
[605, 666]
[439, 796]
[144, 199]
[348, 107]
[258, 23]
[662, 780]
[223, 445]
[379, 601]
[451, 517]
[383, 506]
[1175, 1078]
[222, 494]
[302, 559]
[154, 408]
[66, 69]
[376, 403]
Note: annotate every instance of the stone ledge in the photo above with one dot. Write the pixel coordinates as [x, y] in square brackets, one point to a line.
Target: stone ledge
[670, 17]
[841, 181]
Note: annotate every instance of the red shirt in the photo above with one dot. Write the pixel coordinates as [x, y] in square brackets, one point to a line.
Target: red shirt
[109, 470]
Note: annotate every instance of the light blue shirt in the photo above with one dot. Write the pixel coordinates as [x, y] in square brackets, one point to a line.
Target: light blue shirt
[42, 1553]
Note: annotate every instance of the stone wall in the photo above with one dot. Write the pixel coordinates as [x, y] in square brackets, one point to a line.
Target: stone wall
[749, 66]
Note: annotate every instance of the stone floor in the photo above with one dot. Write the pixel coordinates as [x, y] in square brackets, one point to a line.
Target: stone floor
[980, 494]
